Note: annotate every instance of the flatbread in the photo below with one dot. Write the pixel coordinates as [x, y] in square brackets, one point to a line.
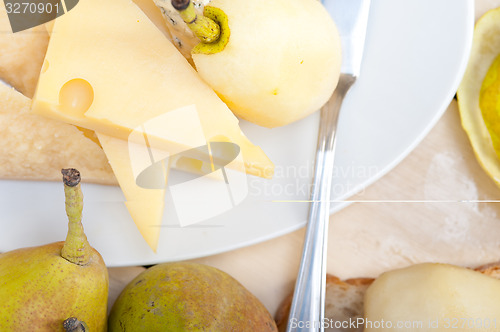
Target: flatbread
[33, 147]
[21, 54]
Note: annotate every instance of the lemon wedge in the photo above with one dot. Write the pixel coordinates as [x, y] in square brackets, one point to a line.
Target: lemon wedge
[479, 94]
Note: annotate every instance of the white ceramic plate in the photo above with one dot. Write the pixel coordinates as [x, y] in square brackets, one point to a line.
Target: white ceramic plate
[415, 55]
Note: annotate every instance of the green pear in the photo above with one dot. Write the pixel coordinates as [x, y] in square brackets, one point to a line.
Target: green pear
[272, 62]
[188, 297]
[41, 287]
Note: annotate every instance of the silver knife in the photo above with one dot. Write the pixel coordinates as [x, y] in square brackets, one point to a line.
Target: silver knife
[307, 312]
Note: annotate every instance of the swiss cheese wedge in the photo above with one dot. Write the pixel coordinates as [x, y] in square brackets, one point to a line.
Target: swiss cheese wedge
[109, 69]
[36, 148]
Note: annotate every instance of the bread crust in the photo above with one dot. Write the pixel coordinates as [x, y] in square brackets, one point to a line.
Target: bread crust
[344, 301]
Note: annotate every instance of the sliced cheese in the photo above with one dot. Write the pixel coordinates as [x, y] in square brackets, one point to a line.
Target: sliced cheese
[144, 205]
[109, 69]
[36, 148]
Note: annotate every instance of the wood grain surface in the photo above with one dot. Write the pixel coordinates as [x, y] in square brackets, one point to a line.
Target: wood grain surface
[428, 208]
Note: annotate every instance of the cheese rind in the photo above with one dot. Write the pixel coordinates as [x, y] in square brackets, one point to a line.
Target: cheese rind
[135, 75]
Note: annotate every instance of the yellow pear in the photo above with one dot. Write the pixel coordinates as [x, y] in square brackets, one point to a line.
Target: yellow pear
[41, 287]
[272, 62]
[433, 297]
[182, 37]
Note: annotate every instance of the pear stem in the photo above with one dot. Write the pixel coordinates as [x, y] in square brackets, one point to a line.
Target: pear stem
[76, 248]
[203, 27]
[72, 324]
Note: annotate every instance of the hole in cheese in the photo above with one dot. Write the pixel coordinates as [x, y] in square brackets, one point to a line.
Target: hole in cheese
[76, 96]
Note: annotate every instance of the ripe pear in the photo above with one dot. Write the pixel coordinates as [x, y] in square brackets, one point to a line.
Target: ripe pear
[41, 287]
[433, 297]
[274, 62]
[188, 297]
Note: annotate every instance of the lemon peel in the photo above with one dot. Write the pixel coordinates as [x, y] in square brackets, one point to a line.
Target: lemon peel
[485, 49]
[489, 98]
